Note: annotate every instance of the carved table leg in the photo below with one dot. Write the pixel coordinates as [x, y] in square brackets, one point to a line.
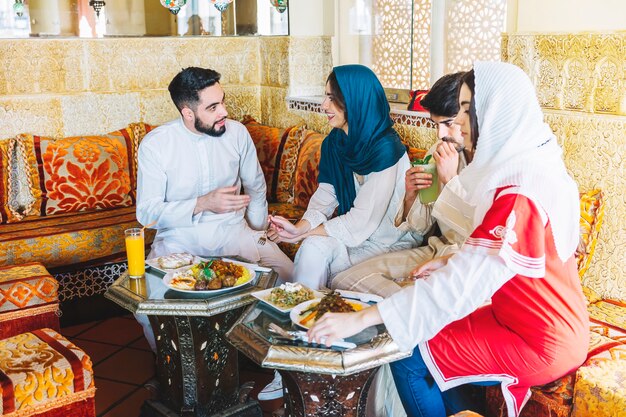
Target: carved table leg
[197, 369]
[317, 395]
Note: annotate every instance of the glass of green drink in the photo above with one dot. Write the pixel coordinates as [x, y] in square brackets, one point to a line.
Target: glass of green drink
[428, 195]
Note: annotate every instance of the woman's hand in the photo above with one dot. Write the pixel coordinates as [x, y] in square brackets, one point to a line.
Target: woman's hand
[333, 326]
[282, 230]
[423, 270]
[447, 160]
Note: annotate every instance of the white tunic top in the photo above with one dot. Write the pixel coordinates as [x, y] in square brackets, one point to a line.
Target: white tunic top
[370, 221]
[176, 166]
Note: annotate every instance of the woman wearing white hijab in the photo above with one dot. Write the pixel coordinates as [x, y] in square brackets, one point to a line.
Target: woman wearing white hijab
[521, 255]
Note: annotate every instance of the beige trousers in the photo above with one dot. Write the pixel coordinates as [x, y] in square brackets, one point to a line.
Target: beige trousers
[379, 275]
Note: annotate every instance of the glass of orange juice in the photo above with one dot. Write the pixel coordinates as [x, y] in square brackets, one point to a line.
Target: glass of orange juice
[135, 252]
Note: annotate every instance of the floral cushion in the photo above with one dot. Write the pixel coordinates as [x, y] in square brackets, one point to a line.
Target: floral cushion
[81, 173]
[267, 141]
[41, 370]
[601, 385]
[591, 215]
[307, 168]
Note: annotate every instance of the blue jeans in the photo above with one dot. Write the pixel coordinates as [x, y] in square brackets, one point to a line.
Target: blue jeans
[420, 394]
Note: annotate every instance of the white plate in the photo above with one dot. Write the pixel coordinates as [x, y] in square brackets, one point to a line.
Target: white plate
[154, 263]
[170, 275]
[263, 296]
[295, 313]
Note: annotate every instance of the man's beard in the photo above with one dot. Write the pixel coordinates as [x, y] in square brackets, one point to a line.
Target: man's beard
[458, 146]
[211, 131]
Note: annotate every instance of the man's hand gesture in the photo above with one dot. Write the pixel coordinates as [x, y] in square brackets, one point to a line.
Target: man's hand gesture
[222, 200]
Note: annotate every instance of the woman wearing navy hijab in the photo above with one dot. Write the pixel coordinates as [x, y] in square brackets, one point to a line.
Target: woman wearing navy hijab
[361, 177]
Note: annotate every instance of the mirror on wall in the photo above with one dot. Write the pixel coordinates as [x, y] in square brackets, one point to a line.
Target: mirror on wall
[108, 18]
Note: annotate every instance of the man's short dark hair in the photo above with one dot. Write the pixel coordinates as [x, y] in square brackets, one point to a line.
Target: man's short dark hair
[186, 84]
[443, 97]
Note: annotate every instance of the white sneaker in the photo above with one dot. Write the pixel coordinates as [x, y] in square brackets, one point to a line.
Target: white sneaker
[273, 390]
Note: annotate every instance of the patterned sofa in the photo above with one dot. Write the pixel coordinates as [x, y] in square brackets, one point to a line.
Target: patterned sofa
[289, 158]
[66, 202]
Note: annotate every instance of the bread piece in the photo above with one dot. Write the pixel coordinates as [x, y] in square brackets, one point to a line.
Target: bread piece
[175, 260]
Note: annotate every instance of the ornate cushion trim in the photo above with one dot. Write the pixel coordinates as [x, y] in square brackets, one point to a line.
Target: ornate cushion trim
[5, 145]
[29, 312]
[24, 161]
[134, 134]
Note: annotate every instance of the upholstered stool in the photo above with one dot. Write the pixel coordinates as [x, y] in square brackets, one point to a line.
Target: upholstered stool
[28, 299]
[43, 374]
[599, 377]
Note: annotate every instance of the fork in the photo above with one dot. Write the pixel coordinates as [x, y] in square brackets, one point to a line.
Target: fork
[301, 336]
[263, 238]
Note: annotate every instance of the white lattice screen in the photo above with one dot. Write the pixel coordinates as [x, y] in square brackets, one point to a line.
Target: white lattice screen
[472, 32]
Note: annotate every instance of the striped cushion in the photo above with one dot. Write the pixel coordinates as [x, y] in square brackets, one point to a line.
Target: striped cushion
[40, 371]
[66, 239]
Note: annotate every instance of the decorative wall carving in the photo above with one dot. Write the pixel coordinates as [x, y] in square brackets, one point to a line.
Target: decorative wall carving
[580, 81]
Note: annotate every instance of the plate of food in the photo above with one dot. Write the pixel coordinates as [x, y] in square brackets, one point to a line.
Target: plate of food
[286, 296]
[172, 262]
[214, 276]
[305, 314]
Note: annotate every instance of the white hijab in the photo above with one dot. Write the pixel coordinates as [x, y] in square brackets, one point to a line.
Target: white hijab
[515, 147]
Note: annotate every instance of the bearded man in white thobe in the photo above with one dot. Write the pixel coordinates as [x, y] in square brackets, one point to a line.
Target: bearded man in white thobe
[190, 177]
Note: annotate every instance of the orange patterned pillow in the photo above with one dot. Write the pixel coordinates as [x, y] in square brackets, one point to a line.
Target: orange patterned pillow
[591, 215]
[81, 173]
[307, 168]
[267, 141]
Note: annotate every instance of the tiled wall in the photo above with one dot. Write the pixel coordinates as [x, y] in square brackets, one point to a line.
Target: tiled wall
[63, 87]
[581, 84]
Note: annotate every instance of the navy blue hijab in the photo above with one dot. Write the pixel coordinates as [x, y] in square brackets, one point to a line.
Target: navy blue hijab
[371, 145]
